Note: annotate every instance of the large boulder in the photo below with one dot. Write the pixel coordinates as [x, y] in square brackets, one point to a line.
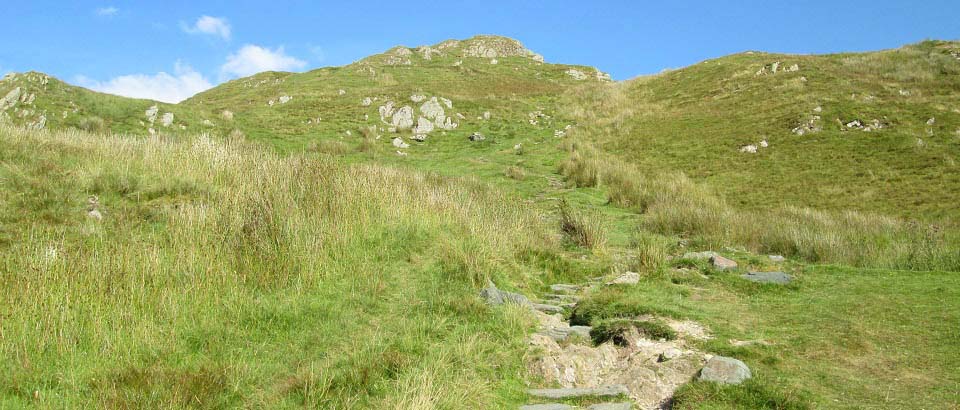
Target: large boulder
[403, 118]
[725, 370]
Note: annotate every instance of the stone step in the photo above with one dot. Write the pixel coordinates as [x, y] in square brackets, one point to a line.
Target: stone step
[547, 308]
[574, 392]
[562, 333]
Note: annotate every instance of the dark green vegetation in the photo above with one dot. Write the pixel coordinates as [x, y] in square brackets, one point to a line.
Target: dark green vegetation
[328, 271]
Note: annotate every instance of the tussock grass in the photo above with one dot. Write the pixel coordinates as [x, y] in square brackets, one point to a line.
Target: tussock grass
[580, 228]
[675, 205]
[223, 275]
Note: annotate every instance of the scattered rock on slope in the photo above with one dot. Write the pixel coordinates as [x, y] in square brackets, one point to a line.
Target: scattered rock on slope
[721, 263]
[725, 370]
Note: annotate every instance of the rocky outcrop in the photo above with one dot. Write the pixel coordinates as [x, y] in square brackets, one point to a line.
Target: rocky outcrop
[167, 119]
[151, 113]
[11, 99]
[577, 74]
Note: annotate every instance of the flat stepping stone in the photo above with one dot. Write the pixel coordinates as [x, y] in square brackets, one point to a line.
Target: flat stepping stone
[547, 308]
[560, 334]
[575, 392]
[611, 406]
[564, 288]
[548, 406]
[778, 278]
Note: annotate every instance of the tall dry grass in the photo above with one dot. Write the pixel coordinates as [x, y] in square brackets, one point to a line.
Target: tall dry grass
[223, 275]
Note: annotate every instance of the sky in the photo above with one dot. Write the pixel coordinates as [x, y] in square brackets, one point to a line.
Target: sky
[170, 50]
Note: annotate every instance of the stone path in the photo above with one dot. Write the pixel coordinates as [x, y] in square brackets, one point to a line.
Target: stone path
[644, 372]
[641, 373]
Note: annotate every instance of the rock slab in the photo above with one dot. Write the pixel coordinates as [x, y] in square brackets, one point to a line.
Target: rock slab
[778, 278]
[547, 406]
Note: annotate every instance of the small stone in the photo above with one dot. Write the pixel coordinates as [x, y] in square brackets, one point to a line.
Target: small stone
[778, 278]
[722, 263]
[725, 370]
[777, 258]
[931, 121]
[629, 278]
[670, 353]
[398, 142]
[477, 137]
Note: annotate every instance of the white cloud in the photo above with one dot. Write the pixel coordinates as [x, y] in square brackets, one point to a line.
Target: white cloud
[107, 11]
[216, 26]
[252, 59]
[184, 83]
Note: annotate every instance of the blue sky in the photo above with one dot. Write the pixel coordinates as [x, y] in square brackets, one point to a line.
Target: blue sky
[169, 50]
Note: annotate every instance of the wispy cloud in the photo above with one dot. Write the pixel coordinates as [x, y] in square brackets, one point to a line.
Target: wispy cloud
[252, 59]
[215, 26]
[109, 11]
[184, 83]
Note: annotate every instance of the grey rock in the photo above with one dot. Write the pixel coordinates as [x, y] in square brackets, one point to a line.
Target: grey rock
[721, 263]
[564, 288]
[477, 137]
[496, 297]
[778, 278]
[545, 308]
[547, 406]
[563, 333]
[725, 370]
[777, 258]
[568, 393]
[611, 406]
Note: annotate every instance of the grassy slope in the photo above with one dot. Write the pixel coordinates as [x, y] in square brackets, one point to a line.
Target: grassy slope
[695, 120]
[224, 276]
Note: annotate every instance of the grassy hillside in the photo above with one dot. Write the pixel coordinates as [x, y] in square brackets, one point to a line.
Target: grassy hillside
[696, 120]
[288, 255]
[223, 276]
